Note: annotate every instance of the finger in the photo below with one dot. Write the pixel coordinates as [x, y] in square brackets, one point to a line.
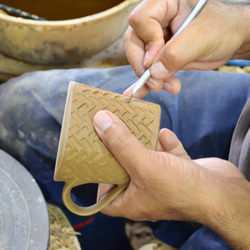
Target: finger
[168, 142]
[149, 20]
[104, 189]
[155, 85]
[189, 46]
[172, 58]
[172, 85]
[185, 48]
[140, 94]
[134, 46]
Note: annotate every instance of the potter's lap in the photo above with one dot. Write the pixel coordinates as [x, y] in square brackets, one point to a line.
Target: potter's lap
[204, 104]
[201, 115]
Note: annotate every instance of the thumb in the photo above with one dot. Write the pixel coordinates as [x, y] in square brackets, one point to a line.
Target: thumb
[118, 139]
[175, 55]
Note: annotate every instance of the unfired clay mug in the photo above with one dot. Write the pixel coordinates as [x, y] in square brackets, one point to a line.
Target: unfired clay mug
[82, 157]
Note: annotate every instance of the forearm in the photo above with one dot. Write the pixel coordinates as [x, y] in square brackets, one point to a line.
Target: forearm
[231, 220]
[225, 203]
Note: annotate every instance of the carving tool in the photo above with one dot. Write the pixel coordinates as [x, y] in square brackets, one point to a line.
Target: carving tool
[146, 75]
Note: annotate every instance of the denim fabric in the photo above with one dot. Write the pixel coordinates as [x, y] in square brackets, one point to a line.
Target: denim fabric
[203, 115]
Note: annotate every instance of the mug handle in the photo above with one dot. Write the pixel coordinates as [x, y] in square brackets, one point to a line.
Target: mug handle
[85, 211]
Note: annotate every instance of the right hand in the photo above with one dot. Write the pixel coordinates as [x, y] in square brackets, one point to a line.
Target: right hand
[209, 41]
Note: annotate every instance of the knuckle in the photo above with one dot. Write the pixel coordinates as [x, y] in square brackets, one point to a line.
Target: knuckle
[137, 15]
[134, 19]
[174, 58]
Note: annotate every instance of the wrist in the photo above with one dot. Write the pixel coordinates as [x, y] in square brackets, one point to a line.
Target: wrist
[244, 19]
[228, 214]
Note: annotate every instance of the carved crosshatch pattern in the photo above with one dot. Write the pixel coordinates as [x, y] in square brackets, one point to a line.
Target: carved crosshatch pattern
[85, 157]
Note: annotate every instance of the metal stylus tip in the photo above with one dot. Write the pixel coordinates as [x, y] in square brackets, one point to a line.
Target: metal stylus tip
[129, 98]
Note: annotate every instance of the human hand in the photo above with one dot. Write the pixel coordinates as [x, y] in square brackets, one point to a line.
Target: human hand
[168, 185]
[210, 40]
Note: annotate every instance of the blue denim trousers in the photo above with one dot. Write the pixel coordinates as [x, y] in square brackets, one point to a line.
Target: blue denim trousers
[203, 116]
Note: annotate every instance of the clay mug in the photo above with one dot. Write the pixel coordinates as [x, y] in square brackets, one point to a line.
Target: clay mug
[82, 157]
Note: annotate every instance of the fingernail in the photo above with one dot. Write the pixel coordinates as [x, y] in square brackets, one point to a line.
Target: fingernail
[159, 71]
[102, 121]
[146, 57]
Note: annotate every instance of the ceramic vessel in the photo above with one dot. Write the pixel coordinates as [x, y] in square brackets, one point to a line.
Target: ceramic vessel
[82, 157]
[66, 41]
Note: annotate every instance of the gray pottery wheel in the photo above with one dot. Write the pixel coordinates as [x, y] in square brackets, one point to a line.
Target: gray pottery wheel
[24, 221]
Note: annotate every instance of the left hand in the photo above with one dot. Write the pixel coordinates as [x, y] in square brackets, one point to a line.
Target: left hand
[168, 185]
